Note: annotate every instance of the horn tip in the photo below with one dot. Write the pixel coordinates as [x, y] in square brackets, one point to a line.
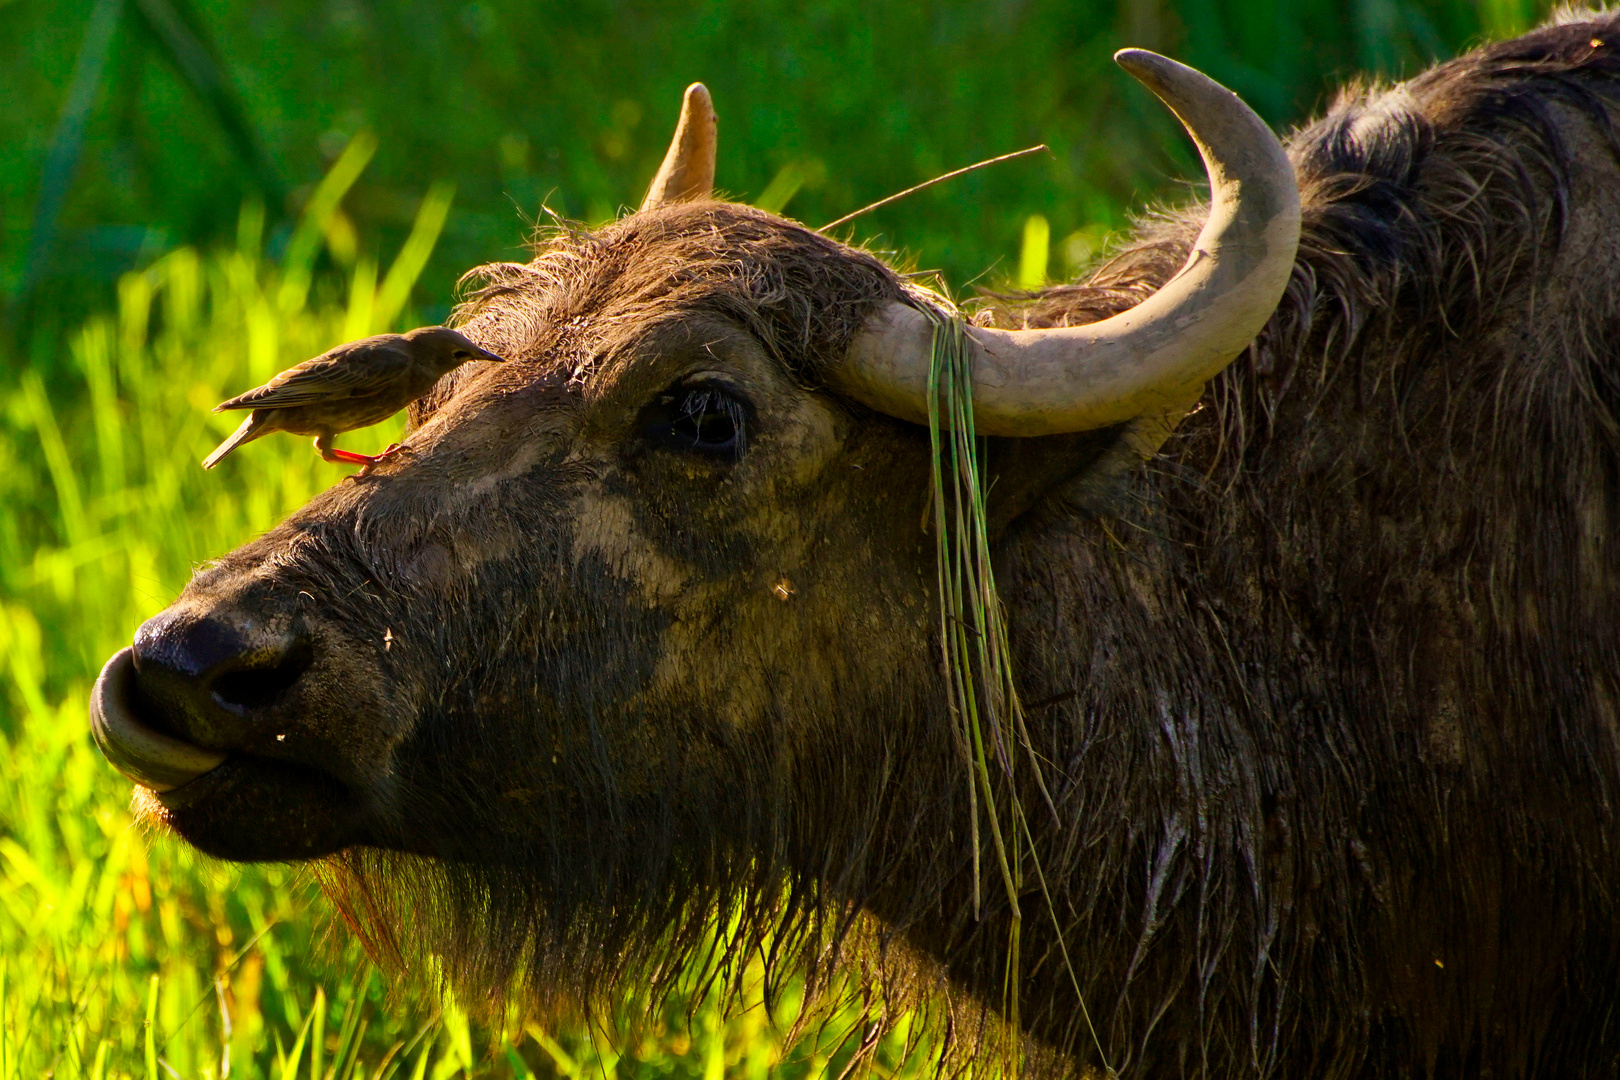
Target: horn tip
[697, 98]
[1143, 62]
[1166, 78]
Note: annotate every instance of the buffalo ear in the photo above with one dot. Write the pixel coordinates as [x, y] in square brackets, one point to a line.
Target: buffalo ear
[1086, 471]
[687, 173]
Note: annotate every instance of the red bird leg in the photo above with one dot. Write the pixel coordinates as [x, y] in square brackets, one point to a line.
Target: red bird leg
[366, 461]
[323, 443]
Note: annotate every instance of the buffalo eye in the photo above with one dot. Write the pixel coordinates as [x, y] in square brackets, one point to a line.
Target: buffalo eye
[703, 419]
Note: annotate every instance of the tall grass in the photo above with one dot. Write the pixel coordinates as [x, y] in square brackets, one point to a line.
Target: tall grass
[121, 953]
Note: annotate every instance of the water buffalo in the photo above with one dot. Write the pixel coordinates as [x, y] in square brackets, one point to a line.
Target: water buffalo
[1318, 646]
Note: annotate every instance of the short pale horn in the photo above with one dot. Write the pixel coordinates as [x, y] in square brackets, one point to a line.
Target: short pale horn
[688, 169]
[1149, 361]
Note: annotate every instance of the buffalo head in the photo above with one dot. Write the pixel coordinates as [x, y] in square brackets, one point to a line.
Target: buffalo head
[644, 619]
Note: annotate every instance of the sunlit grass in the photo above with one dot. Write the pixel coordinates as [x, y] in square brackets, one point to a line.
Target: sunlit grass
[122, 954]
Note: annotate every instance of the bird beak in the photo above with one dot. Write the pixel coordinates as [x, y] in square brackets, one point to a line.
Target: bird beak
[492, 357]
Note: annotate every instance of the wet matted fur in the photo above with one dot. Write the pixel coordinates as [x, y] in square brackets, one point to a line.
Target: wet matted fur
[1327, 691]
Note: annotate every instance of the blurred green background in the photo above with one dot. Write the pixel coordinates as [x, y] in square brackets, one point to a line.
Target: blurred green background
[195, 194]
[198, 105]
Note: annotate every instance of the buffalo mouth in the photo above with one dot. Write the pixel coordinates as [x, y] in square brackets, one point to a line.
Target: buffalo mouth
[147, 756]
[233, 804]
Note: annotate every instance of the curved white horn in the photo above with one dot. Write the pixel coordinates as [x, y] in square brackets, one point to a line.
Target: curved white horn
[1152, 359]
[688, 168]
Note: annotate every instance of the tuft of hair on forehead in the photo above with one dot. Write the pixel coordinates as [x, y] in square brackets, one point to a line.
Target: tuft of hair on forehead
[586, 292]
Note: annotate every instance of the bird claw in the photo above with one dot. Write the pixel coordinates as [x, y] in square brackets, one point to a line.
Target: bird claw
[371, 462]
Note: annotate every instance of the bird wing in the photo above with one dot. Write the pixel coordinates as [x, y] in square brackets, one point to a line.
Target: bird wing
[345, 372]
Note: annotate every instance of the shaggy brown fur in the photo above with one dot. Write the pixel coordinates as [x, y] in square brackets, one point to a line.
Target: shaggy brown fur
[586, 296]
[1327, 693]
[1389, 539]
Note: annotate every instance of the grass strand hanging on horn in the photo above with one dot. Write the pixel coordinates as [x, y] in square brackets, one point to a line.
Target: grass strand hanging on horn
[981, 694]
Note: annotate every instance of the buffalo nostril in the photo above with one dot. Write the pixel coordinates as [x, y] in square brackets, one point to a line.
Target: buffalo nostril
[255, 687]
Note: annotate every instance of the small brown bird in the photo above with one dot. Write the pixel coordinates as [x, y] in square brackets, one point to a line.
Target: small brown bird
[352, 386]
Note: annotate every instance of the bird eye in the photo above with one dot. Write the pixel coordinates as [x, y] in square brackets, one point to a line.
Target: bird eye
[706, 419]
[462, 354]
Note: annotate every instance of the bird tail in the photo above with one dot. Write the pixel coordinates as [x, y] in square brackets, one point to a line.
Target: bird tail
[251, 429]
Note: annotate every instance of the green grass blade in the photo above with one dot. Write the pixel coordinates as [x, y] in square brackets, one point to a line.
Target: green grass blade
[98, 1070]
[520, 1068]
[413, 256]
[6, 1069]
[422, 1062]
[349, 1053]
[69, 498]
[181, 37]
[318, 1043]
[361, 319]
[93, 351]
[289, 1066]
[561, 1059]
[1035, 253]
[150, 1039]
[299, 260]
[67, 140]
[400, 1051]
[346, 1033]
[787, 182]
